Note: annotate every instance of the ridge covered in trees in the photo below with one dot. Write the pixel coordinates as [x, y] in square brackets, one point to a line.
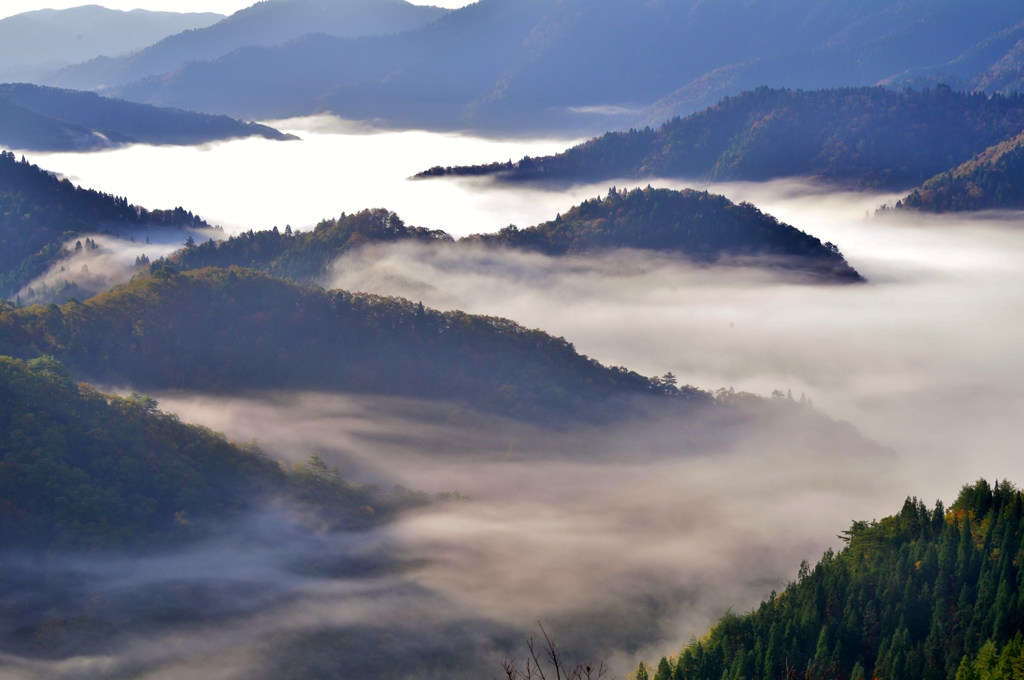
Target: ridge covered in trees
[220, 330]
[304, 255]
[702, 225]
[84, 469]
[698, 224]
[994, 179]
[927, 594]
[870, 136]
[39, 212]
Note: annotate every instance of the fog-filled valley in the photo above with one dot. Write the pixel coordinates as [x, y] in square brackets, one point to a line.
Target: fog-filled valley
[399, 372]
[624, 537]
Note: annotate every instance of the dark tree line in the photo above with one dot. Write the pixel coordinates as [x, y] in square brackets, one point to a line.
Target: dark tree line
[40, 213]
[869, 136]
[927, 594]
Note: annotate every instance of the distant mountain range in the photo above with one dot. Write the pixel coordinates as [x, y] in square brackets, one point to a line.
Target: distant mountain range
[49, 119]
[267, 23]
[34, 44]
[871, 137]
[579, 65]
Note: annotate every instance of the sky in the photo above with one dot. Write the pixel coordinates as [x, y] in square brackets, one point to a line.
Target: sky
[12, 7]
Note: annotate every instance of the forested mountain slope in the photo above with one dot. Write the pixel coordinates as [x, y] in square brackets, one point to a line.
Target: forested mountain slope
[82, 469]
[48, 119]
[701, 225]
[698, 225]
[39, 213]
[265, 23]
[220, 330]
[992, 180]
[579, 64]
[928, 594]
[873, 137]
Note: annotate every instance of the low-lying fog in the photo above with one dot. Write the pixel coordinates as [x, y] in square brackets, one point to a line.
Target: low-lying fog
[625, 541]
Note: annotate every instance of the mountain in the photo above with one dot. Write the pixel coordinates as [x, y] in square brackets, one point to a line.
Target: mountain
[871, 137]
[266, 23]
[218, 330]
[83, 469]
[992, 180]
[702, 226]
[580, 65]
[33, 44]
[48, 119]
[927, 594]
[39, 213]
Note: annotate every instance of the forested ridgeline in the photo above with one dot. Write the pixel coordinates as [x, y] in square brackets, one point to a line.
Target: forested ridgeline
[702, 225]
[873, 137]
[40, 212]
[54, 119]
[304, 255]
[994, 179]
[928, 594]
[83, 469]
[221, 330]
[697, 224]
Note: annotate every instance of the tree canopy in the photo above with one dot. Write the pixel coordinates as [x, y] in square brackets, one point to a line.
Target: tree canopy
[994, 179]
[221, 330]
[927, 594]
[39, 212]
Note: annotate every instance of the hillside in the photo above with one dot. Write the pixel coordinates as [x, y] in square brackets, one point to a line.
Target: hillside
[39, 213]
[83, 469]
[929, 594]
[266, 23]
[992, 180]
[47, 119]
[304, 256]
[699, 225]
[34, 44]
[576, 65]
[218, 330]
[872, 137]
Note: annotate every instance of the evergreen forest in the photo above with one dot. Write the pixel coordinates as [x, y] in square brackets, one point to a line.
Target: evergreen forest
[40, 213]
[927, 594]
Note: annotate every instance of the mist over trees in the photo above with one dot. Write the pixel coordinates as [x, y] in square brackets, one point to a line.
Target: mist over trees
[40, 213]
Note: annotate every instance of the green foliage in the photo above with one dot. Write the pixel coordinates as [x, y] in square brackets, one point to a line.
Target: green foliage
[83, 469]
[992, 180]
[925, 594]
[870, 136]
[697, 223]
[303, 256]
[222, 330]
[40, 212]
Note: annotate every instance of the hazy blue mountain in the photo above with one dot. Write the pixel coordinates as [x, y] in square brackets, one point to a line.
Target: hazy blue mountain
[872, 137]
[50, 119]
[266, 23]
[583, 65]
[33, 43]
